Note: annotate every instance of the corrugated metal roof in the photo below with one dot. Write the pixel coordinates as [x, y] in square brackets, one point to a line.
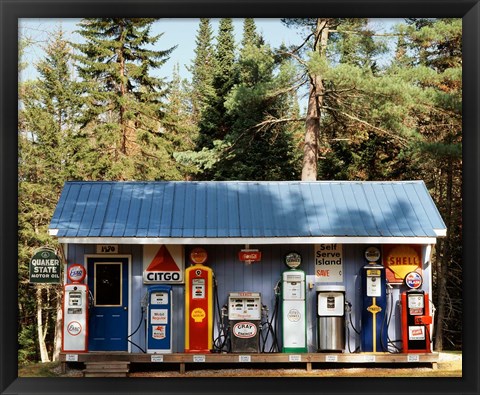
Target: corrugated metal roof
[244, 209]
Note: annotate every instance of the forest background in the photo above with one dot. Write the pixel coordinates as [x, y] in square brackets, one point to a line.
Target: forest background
[350, 100]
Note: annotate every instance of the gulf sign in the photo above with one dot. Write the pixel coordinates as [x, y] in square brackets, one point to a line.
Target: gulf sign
[163, 264]
[399, 260]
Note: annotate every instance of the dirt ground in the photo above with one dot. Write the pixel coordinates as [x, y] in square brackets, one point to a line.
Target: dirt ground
[449, 365]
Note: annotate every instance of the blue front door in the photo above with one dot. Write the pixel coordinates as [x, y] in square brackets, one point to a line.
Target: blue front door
[108, 322]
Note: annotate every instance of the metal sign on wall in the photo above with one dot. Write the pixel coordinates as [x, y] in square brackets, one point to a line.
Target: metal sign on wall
[328, 263]
[163, 264]
[400, 259]
[44, 267]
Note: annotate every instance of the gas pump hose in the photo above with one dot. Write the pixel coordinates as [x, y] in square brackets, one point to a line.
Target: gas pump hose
[136, 330]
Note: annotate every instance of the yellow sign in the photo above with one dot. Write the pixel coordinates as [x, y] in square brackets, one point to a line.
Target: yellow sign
[198, 314]
[374, 309]
[399, 260]
[373, 272]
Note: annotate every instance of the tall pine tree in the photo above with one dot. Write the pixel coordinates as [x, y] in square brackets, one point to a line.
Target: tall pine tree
[202, 68]
[123, 100]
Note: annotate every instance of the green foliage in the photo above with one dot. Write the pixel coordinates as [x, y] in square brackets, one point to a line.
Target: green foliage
[124, 101]
[239, 119]
[238, 136]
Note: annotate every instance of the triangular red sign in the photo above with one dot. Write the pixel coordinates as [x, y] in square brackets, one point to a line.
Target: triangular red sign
[163, 262]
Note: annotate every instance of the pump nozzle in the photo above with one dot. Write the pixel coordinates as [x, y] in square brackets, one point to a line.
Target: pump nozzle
[348, 306]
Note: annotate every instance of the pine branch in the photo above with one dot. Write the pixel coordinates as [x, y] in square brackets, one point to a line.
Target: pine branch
[402, 140]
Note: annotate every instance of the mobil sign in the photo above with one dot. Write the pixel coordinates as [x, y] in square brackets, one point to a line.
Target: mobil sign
[163, 264]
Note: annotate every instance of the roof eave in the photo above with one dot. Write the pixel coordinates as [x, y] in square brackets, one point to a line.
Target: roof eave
[249, 240]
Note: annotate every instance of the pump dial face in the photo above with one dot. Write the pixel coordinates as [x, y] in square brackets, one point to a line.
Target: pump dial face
[293, 260]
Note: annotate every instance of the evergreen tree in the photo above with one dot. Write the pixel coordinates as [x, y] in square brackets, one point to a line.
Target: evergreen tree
[124, 108]
[436, 54]
[243, 143]
[215, 123]
[180, 121]
[258, 150]
[341, 67]
[250, 35]
[47, 124]
[202, 69]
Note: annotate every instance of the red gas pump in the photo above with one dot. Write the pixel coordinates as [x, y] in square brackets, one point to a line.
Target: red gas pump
[416, 321]
[198, 304]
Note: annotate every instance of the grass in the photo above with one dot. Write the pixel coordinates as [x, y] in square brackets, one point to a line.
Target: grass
[47, 369]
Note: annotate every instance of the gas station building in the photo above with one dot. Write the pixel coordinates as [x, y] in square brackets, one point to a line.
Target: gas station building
[321, 271]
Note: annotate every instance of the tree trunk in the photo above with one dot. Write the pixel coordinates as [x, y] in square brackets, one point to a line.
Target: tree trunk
[40, 328]
[57, 346]
[442, 265]
[315, 102]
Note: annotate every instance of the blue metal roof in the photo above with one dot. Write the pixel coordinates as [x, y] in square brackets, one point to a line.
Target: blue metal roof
[246, 209]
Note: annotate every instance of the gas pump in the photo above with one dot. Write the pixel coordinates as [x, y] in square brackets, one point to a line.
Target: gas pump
[244, 315]
[331, 317]
[416, 318]
[159, 319]
[294, 318]
[75, 318]
[198, 304]
[374, 303]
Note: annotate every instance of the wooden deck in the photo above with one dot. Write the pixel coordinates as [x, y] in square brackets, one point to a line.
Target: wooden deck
[103, 362]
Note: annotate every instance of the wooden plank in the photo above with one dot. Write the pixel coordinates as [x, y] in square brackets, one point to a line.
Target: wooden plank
[232, 358]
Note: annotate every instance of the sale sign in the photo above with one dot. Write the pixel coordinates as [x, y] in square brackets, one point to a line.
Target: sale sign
[328, 263]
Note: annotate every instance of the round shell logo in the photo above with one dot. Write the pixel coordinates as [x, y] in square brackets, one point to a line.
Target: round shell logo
[294, 315]
[76, 273]
[198, 314]
[244, 330]
[74, 328]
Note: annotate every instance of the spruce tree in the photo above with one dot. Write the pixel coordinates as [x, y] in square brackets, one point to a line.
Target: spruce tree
[123, 100]
[259, 150]
[202, 69]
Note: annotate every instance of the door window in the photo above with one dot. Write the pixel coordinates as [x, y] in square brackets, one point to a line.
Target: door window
[108, 284]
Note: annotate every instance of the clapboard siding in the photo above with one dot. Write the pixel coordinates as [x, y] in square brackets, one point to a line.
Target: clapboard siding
[233, 276]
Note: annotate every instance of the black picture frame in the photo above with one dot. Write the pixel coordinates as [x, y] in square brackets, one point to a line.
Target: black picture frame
[12, 10]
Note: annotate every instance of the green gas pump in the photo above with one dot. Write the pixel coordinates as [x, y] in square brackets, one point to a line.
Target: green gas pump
[294, 317]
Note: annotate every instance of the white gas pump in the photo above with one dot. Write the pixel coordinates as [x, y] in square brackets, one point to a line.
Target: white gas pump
[244, 315]
[331, 317]
[75, 318]
[294, 318]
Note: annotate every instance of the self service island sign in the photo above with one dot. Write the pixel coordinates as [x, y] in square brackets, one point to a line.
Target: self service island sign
[328, 263]
[44, 267]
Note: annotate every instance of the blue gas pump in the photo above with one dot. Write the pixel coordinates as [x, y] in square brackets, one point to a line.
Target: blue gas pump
[374, 333]
[159, 319]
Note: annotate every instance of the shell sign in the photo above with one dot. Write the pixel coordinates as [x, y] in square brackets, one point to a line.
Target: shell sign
[399, 260]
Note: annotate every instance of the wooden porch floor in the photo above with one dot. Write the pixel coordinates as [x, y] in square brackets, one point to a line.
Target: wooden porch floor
[96, 359]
